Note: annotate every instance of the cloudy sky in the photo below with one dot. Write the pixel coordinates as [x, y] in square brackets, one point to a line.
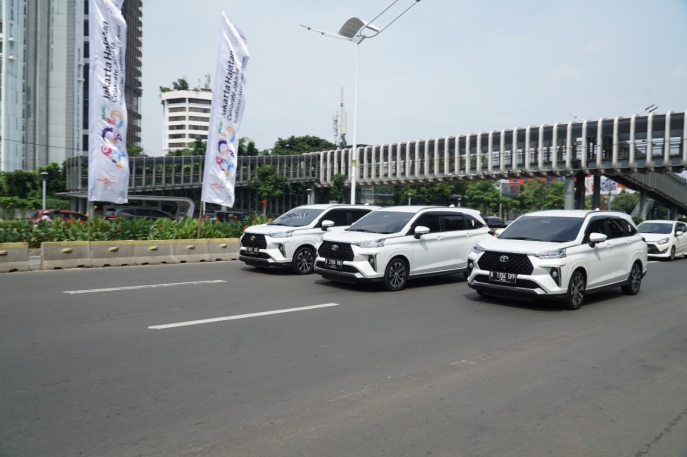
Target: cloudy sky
[446, 67]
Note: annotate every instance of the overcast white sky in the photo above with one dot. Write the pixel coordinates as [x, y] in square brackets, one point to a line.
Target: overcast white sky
[447, 67]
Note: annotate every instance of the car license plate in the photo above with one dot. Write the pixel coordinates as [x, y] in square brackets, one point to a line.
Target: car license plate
[252, 251]
[506, 278]
[334, 264]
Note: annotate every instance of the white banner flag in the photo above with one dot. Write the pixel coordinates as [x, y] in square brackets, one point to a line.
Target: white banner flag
[228, 103]
[108, 162]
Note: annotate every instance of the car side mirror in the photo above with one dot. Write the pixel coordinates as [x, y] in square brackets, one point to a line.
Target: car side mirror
[596, 238]
[679, 233]
[420, 230]
[326, 225]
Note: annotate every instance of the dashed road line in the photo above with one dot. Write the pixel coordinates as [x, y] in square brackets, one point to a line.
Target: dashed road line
[147, 286]
[240, 316]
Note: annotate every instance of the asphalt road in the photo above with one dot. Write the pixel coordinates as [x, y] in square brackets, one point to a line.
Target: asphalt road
[433, 370]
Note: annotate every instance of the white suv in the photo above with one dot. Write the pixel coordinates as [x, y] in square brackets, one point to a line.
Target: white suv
[392, 245]
[289, 241]
[562, 255]
[665, 239]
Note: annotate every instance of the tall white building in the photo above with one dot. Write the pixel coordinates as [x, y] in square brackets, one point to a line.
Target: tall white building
[186, 117]
[13, 51]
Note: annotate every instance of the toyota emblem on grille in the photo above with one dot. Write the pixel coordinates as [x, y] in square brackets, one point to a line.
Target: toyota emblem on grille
[335, 247]
[252, 238]
[503, 258]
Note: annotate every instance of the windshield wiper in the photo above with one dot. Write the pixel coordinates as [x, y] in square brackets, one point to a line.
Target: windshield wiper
[520, 238]
[361, 230]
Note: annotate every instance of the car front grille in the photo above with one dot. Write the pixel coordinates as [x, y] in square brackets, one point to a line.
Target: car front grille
[506, 262]
[653, 249]
[524, 283]
[250, 240]
[339, 251]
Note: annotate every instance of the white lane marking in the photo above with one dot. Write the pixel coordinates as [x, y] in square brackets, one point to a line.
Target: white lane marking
[240, 316]
[147, 286]
[652, 261]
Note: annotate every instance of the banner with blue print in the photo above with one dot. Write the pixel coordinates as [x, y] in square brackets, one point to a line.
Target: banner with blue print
[228, 104]
[108, 162]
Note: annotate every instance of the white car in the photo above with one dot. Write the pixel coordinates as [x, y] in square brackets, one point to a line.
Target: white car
[560, 255]
[394, 244]
[665, 239]
[289, 241]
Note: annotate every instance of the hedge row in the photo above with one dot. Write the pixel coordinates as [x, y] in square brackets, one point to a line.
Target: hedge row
[120, 229]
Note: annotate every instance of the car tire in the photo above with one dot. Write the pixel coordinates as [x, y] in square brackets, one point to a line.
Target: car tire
[672, 254]
[635, 280]
[303, 261]
[396, 275]
[576, 290]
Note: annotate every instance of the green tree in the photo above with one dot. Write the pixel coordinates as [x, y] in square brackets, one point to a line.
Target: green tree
[482, 196]
[194, 148]
[134, 151]
[300, 145]
[56, 181]
[555, 196]
[532, 195]
[268, 184]
[338, 187]
[180, 84]
[247, 147]
[19, 183]
[625, 201]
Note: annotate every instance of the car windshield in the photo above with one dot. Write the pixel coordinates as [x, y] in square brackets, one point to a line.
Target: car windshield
[297, 217]
[384, 222]
[540, 228]
[655, 227]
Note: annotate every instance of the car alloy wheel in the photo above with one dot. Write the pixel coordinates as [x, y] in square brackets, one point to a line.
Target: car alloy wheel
[576, 290]
[303, 261]
[396, 275]
[634, 281]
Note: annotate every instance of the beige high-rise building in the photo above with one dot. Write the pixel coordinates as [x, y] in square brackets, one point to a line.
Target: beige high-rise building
[186, 117]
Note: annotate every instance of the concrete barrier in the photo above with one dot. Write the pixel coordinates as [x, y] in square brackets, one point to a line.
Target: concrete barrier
[223, 249]
[68, 254]
[112, 253]
[154, 252]
[190, 250]
[14, 257]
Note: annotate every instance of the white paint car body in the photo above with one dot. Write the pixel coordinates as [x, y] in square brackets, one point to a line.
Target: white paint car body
[293, 245]
[604, 246]
[665, 245]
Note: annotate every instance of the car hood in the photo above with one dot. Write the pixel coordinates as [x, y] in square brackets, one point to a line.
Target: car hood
[495, 244]
[356, 237]
[655, 236]
[266, 229]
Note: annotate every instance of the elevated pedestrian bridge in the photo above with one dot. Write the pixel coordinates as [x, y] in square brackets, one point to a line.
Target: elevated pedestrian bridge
[623, 149]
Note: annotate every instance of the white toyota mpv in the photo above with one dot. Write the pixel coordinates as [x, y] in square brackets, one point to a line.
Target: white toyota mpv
[392, 245]
[289, 241]
[562, 255]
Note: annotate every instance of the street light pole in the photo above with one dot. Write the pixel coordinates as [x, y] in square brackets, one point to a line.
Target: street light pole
[44, 176]
[352, 30]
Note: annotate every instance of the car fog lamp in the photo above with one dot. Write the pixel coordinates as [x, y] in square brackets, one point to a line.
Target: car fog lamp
[282, 250]
[556, 276]
[373, 262]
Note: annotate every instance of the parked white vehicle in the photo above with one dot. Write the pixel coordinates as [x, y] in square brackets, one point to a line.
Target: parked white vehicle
[560, 255]
[289, 241]
[392, 245]
[665, 239]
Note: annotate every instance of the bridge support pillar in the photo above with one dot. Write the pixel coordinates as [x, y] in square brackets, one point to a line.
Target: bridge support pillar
[596, 196]
[642, 205]
[569, 192]
[580, 189]
[673, 213]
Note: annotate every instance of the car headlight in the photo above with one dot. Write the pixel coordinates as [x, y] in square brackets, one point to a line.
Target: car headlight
[478, 249]
[663, 241]
[555, 254]
[369, 244]
[288, 234]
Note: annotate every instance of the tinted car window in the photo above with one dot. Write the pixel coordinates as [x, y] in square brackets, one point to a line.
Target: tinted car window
[453, 222]
[615, 230]
[596, 226]
[338, 216]
[655, 227]
[535, 228]
[358, 213]
[682, 228]
[297, 217]
[431, 221]
[471, 223]
[382, 222]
